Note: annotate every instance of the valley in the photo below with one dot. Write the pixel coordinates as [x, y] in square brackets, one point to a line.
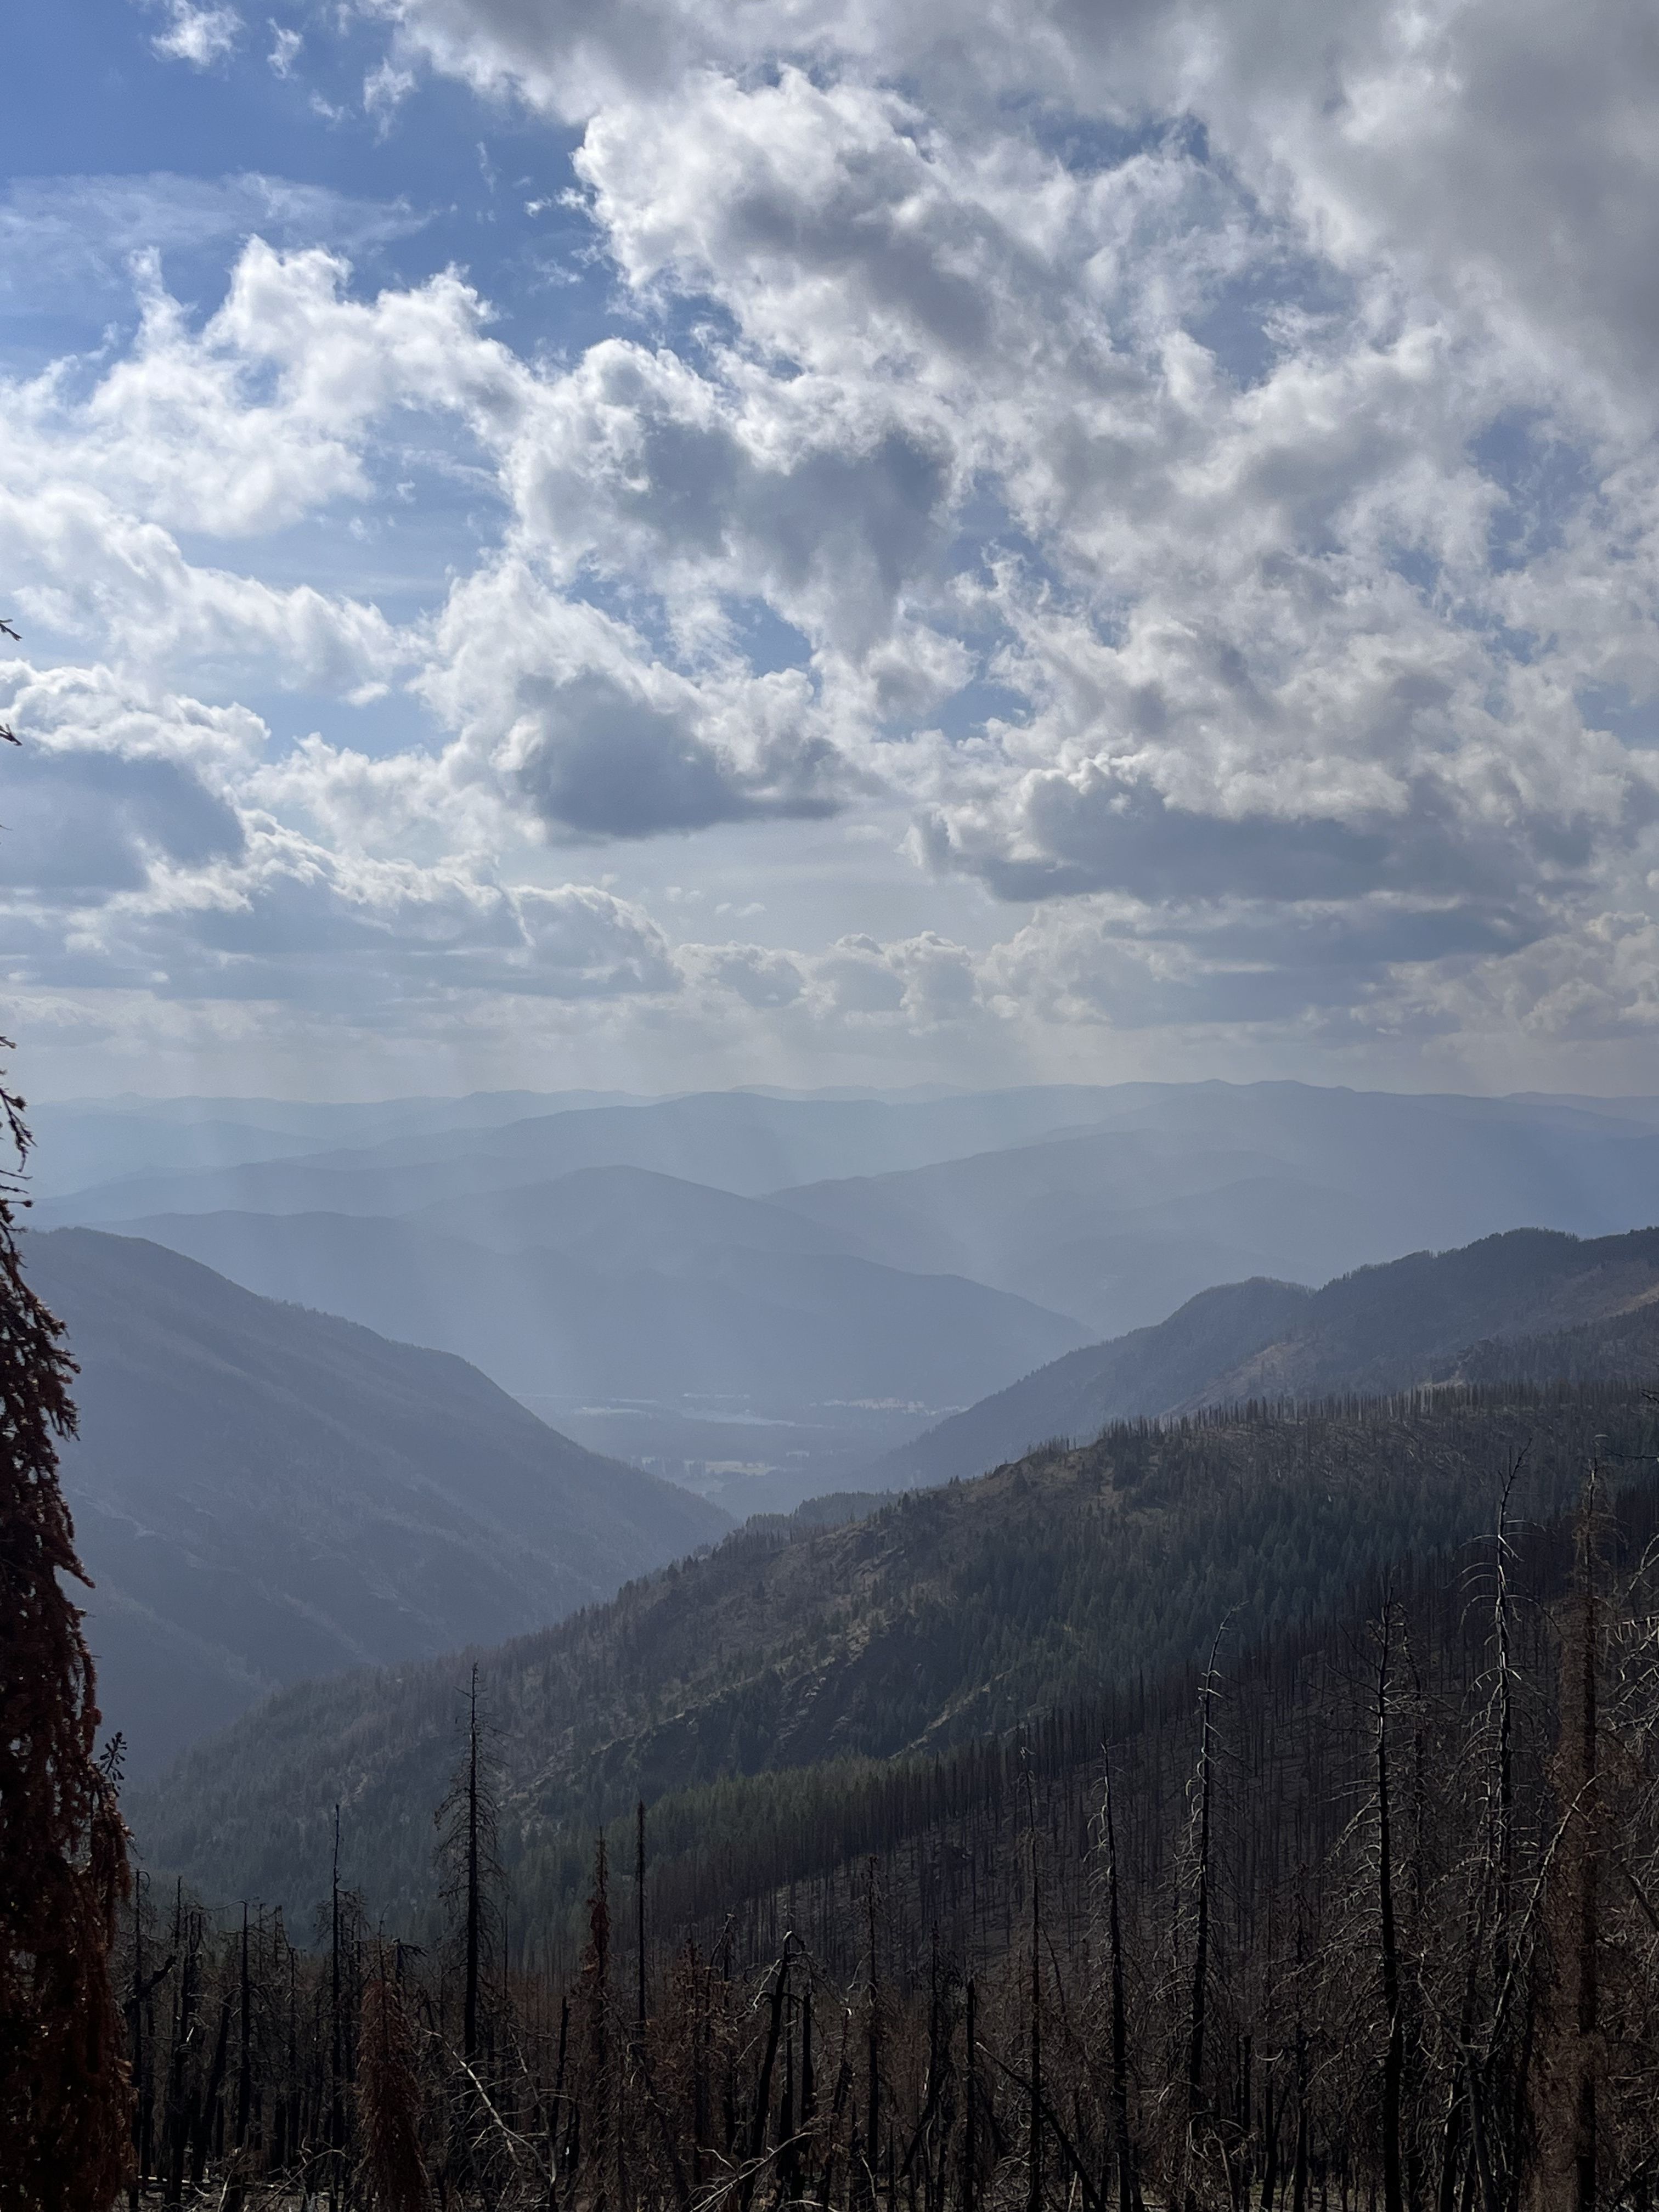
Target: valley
[837, 1274]
[567, 1502]
[263, 1493]
[946, 1616]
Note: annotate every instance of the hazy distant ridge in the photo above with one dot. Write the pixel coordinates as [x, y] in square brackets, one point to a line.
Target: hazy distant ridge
[1431, 1316]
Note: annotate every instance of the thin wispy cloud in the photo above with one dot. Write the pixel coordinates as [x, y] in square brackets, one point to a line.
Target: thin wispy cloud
[196, 34]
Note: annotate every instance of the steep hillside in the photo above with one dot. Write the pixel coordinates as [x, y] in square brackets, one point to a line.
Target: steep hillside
[262, 1494]
[1384, 1328]
[1380, 1328]
[1623, 1349]
[949, 1614]
[644, 1304]
[1150, 1372]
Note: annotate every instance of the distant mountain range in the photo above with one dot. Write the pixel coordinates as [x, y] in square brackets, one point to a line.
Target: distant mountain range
[81, 1141]
[616, 1282]
[1195, 1185]
[262, 1494]
[1532, 1303]
[660, 1270]
[736, 1140]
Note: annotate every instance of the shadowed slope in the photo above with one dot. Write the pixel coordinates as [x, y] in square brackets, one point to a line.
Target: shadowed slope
[263, 1493]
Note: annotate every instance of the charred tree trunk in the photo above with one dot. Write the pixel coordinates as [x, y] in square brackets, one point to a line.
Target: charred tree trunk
[872, 2098]
[971, 2103]
[1122, 2149]
[336, 2038]
[245, 2052]
[760, 2112]
[474, 1883]
[597, 1974]
[1198, 2006]
[1034, 2173]
[1589, 1868]
[639, 1919]
[176, 2119]
[1393, 2060]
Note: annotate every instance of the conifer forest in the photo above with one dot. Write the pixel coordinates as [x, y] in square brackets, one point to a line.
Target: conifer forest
[1360, 1911]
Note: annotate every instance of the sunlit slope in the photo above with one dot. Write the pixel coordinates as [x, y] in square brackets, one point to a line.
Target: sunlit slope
[948, 1615]
[1433, 1315]
[262, 1494]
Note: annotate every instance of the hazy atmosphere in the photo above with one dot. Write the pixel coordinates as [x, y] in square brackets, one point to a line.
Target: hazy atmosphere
[829, 1307]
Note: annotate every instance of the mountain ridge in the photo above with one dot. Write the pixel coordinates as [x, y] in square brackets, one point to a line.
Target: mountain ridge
[1262, 1339]
[611, 1320]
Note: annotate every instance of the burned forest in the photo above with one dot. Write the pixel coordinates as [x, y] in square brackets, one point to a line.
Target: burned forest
[1355, 1908]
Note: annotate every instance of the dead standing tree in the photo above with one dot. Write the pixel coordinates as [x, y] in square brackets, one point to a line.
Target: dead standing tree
[1567, 2117]
[1123, 2149]
[65, 2089]
[1203, 1816]
[389, 2096]
[1394, 2058]
[469, 1863]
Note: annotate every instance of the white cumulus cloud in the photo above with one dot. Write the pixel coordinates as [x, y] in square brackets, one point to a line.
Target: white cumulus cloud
[1186, 474]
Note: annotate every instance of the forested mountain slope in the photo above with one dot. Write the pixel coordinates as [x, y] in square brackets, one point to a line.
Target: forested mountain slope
[1386, 1328]
[262, 1494]
[1623, 1349]
[1146, 1373]
[950, 1614]
[1368, 1816]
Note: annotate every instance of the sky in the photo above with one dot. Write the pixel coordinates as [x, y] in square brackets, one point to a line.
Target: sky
[660, 544]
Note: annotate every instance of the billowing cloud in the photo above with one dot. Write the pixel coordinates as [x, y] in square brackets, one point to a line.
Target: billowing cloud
[1184, 475]
[566, 712]
[262, 414]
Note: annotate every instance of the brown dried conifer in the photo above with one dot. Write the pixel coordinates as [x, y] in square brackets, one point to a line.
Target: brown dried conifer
[64, 2088]
[389, 2102]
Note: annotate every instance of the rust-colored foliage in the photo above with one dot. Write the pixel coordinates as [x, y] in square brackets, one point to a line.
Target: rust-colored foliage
[65, 2094]
[389, 2102]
